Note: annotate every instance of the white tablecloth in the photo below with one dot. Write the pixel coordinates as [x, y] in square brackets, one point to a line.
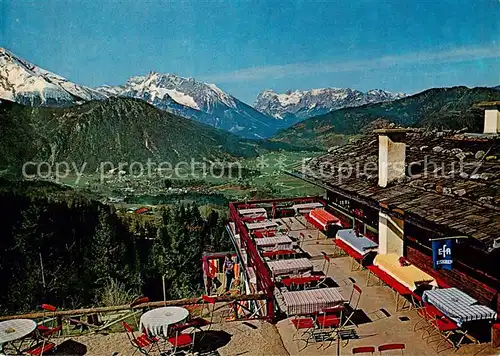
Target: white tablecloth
[15, 329]
[157, 321]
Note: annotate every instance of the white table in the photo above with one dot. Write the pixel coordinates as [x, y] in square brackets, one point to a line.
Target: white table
[157, 321]
[15, 329]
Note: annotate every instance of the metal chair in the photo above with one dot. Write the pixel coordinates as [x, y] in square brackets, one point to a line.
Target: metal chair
[303, 325]
[181, 341]
[142, 343]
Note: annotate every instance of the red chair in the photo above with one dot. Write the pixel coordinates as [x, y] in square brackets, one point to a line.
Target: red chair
[363, 350]
[138, 301]
[44, 331]
[304, 325]
[40, 348]
[180, 341]
[426, 312]
[390, 347]
[330, 317]
[445, 328]
[143, 343]
[208, 301]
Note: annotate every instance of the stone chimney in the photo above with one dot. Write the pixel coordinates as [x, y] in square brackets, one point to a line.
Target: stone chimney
[391, 155]
[491, 121]
[491, 116]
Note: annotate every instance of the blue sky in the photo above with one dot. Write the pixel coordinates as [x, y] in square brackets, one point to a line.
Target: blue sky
[246, 47]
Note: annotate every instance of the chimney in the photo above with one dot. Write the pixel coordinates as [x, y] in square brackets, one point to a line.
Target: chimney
[491, 116]
[391, 155]
[491, 120]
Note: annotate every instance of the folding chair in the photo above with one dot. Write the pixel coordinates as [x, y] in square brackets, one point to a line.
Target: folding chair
[207, 301]
[390, 347]
[43, 329]
[304, 326]
[44, 333]
[426, 312]
[444, 327]
[181, 342]
[326, 263]
[330, 320]
[363, 350]
[143, 343]
[40, 348]
[353, 306]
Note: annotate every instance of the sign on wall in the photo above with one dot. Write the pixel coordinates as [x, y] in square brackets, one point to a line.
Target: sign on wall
[442, 252]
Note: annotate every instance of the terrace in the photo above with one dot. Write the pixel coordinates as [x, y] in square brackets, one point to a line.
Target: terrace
[293, 263]
[314, 273]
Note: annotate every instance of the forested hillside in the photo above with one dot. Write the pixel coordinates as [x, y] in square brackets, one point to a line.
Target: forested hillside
[86, 248]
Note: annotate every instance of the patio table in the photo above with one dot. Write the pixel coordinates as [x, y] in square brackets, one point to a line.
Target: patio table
[360, 244]
[157, 321]
[311, 300]
[458, 306]
[15, 329]
[409, 276]
[290, 266]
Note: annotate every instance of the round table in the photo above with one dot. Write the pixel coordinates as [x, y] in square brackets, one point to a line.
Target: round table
[157, 321]
[15, 329]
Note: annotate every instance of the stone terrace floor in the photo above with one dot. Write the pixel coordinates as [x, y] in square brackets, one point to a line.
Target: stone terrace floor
[380, 327]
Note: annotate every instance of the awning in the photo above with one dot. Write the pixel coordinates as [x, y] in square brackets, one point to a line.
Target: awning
[311, 301]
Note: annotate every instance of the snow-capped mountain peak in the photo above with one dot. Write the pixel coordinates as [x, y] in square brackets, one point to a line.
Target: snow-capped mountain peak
[29, 84]
[185, 91]
[296, 104]
[191, 98]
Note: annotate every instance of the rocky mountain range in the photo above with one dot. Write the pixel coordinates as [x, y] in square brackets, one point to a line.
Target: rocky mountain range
[437, 108]
[194, 99]
[298, 105]
[28, 84]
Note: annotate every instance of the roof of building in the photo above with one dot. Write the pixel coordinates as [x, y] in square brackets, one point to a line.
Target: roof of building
[454, 180]
[488, 104]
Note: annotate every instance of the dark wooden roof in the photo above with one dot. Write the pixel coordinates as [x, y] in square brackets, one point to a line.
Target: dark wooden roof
[458, 188]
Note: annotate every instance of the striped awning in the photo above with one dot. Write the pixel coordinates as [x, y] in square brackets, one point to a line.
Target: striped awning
[458, 306]
[311, 301]
[290, 266]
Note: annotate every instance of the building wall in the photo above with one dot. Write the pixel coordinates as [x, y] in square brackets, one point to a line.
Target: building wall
[390, 235]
